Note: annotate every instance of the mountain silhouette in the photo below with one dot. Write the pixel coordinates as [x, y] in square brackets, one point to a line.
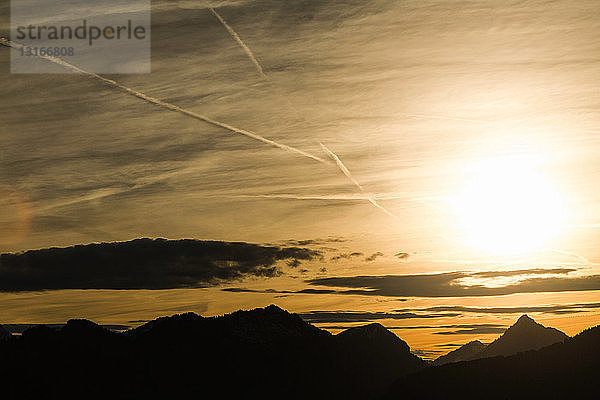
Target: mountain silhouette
[566, 369]
[525, 334]
[374, 334]
[266, 352]
[466, 352]
[4, 334]
[369, 356]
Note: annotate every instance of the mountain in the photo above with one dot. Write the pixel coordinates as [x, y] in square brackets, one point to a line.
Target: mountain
[266, 352]
[525, 334]
[568, 369]
[466, 352]
[4, 334]
[368, 357]
[374, 334]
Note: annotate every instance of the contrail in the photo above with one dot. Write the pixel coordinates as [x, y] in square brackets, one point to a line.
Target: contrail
[200, 117]
[348, 197]
[428, 116]
[239, 40]
[577, 256]
[346, 172]
[168, 106]
[261, 72]
[255, 61]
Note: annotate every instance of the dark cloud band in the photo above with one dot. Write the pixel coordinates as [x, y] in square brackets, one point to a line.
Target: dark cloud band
[553, 309]
[143, 264]
[360, 316]
[451, 285]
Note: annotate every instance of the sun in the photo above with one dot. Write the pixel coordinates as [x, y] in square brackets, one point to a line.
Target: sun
[507, 206]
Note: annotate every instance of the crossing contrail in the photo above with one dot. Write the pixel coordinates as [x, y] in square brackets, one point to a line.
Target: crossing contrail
[346, 172]
[203, 118]
[261, 72]
[168, 106]
[239, 40]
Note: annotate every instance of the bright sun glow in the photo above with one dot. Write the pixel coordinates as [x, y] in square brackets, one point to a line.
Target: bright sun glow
[507, 206]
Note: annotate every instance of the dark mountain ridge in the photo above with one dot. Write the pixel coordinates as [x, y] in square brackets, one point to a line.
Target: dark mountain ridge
[524, 335]
[266, 352]
[566, 369]
[4, 334]
[466, 352]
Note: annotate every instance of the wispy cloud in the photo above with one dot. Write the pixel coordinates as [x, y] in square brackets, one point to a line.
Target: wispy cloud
[169, 106]
[374, 256]
[549, 309]
[346, 256]
[239, 40]
[362, 316]
[346, 172]
[260, 70]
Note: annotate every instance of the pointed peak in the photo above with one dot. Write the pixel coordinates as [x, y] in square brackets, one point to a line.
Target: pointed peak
[525, 317]
[525, 320]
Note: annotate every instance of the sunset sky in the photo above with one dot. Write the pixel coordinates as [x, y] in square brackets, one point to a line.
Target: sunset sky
[457, 187]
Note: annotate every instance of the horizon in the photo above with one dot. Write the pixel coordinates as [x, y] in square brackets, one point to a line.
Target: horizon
[19, 329]
[431, 166]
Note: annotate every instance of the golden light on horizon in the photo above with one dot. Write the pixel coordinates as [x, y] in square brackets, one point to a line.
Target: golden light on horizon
[508, 205]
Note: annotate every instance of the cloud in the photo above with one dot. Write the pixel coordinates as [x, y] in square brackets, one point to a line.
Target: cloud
[271, 291]
[346, 172]
[534, 271]
[362, 316]
[309, 242]
[460, 329]
[481, 330]
[553, 309]
[169, 106]
[426, 353]
[451, 284]
[143, 264]
[374, 256]
[239, 40]
[449, 345]
[346, 256]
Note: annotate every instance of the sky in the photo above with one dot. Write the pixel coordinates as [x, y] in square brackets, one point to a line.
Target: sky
[454, 186]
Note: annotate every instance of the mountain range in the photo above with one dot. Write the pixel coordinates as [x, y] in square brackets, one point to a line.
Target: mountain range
[567, 369]
[267, 353]
[469, 351]
[524, 335]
